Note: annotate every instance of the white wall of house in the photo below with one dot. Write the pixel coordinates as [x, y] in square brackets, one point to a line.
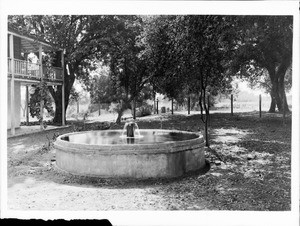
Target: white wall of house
[17, 104]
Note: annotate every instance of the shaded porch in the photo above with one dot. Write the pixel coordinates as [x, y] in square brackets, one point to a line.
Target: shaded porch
[23, 71]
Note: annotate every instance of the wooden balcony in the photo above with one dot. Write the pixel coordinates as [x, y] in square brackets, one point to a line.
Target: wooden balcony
[27, 71]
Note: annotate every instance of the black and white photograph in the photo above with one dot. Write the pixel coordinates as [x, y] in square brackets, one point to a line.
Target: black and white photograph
[150, 112]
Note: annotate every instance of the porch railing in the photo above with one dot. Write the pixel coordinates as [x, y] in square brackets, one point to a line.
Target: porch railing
[52, 73]
[32, 70]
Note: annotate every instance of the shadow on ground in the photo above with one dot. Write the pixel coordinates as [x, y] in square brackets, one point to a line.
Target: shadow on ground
[249, 164]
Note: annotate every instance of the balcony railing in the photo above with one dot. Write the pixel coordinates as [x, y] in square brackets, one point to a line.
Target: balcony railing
[28, 70]
[52, 73]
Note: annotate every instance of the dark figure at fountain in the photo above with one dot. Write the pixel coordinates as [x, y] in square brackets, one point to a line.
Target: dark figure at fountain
[130, 129]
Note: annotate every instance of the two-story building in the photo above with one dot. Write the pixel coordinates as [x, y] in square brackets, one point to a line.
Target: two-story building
[24, 72]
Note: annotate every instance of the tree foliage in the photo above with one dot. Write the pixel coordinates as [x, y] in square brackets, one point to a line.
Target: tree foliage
[101, 91]
[264, 43]
[128, 72]
[40, 95]
[260, 79]
[81, 36]
[188, 55]
[177, 55]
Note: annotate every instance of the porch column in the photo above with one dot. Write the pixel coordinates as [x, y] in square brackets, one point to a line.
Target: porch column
[63, 89]
[26, 69]
[12, 84]
[27, 108]
[41, 76]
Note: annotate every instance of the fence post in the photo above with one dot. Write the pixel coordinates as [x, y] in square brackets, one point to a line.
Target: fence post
[231, 100]
[154, 109]
[172, 107]
[99, 107]
[157, 106]
[284, 109]
[189, 105]
[134, 112]
[78, 106]
[260, 105]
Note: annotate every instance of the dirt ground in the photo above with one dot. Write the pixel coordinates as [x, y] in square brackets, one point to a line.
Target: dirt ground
[249, 169]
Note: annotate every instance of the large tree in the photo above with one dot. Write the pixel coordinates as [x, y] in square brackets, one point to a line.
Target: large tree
[187, 56]
[82, 38]
[100, 88]
[128, 67]
[206, 50]
[164, 54]
[265, 42]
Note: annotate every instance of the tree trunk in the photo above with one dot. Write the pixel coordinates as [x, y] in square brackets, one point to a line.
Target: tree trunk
[57, 96]
[273, 104]
[118, 121]
[278, 96]
[281, 91]
[207, 122]
[204, 106]
[277, 93]
[206, 129]
[124, 104]
[286, 105]
[278, 100]
[58, 112]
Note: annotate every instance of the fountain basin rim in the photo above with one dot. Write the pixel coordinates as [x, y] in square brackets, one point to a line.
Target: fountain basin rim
[160, 147]
[154, 130]
[155, 160]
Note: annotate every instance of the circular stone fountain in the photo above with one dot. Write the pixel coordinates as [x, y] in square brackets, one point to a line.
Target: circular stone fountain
[146, 154]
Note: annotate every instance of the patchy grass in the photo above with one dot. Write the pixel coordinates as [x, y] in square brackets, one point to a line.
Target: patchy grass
[250, 168]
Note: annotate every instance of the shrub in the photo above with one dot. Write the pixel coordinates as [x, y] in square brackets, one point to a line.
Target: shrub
[144, 111]
[40, 93]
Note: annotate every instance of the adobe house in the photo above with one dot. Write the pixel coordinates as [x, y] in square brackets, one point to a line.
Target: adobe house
[23, 72]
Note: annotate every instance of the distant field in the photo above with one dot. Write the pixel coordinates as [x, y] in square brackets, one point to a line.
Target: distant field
[243, 106]
[239, 105]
